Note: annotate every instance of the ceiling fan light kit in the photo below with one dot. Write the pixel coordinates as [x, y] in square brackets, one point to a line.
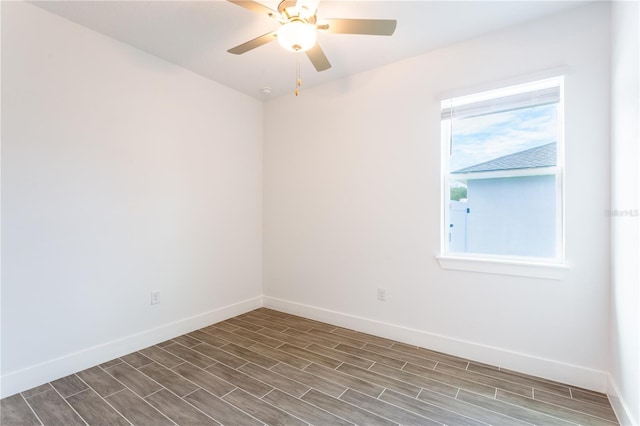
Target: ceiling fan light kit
[297, 35]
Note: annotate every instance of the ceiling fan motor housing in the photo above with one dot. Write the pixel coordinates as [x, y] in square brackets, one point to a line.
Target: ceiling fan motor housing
[289, 10]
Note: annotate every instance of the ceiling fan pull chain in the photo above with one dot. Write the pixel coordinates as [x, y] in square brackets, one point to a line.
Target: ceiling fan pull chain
[298, 80]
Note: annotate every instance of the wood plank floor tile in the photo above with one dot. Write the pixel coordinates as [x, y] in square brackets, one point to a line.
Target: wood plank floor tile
[345, 410]
[15, 411]
[403, 356]
[589, 396]
[274, 379]
[552, 409]
[490, 381]
[258, 338]
[168, 379]
[285, 338]
[302, 410]
[332, 337]
[431, 355]
[111, 363]
[596, 410]
[205, 380]
[243, 324]
[441, 377]
[219, 355]
[469, 410]
[69, 385]
[310, 356]
[315, 382]
[95, 410]
[207, 338]
[511, 410]
[424, 382]
[340, 356]
[38, 389]
[220, 410]
[165, 343]
[386, 410]
[280, 355]
[225, 326]
[427, 410]
[249, 355]
[347, 380]
[522, 379]
[261, 410]
[52, 409]
[189, 355]
[135, 359]
[312, 338]
[319, 325]
[239, 379]
[372, 356]
[252, 319]
[186, 340]
[161, 356]
[100, 381]
[228, 336]
[133, 379]
[179, 411]
[380, 379]
[136, 409]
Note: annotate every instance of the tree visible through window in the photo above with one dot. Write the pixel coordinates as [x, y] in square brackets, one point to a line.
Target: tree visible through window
[502, 172]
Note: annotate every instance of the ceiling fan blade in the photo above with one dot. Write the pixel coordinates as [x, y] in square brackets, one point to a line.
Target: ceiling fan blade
[252, 44]
[254, 7]
[318, 58]
[359, 26]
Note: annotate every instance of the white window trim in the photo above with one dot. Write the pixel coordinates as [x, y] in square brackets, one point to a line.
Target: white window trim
[554, 268]
[504, 266]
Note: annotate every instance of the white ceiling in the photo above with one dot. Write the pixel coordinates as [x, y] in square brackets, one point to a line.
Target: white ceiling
[196, 34]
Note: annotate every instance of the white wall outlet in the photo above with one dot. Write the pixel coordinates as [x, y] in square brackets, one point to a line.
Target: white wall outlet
[382, 294]
[155, 297]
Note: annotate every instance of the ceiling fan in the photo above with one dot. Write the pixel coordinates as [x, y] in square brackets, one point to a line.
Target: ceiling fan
[299, 27]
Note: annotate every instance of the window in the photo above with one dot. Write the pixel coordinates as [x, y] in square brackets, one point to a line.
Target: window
[502, 174]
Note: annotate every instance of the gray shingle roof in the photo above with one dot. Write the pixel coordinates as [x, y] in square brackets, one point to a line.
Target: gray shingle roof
[540, 156]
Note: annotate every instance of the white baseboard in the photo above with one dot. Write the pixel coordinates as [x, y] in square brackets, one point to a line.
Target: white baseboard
[549, 369]
[18, 381]
[619, 406]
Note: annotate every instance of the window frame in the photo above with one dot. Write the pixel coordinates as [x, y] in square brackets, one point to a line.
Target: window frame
[550, 268]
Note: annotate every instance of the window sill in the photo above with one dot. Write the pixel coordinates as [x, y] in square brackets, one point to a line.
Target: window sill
[551, 271]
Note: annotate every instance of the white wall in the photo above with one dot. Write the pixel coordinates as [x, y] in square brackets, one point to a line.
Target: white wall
[121, 174]
[352, 203]
[625, 197]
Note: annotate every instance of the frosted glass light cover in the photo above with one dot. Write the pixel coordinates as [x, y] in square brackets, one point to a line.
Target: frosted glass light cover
[297, 36]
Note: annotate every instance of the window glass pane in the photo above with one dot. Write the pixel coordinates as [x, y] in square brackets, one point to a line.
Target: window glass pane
[501, 191]
[484, 138]
[511, 216]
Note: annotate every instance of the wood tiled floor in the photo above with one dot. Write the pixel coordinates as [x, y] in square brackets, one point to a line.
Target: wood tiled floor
[267, 367]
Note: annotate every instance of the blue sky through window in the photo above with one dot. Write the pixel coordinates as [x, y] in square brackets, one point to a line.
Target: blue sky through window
[483, 138]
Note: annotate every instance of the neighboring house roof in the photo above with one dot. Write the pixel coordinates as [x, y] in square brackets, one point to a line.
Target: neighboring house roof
[540, 156]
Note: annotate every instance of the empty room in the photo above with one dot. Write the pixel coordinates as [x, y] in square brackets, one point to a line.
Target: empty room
[320, 212]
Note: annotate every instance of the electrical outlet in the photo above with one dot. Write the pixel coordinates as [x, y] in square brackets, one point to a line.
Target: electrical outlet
[155, 297]
[382, 294]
